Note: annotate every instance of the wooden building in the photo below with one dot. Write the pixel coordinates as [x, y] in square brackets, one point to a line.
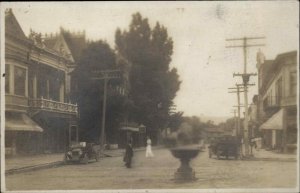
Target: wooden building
[39, 116]
[277, 109]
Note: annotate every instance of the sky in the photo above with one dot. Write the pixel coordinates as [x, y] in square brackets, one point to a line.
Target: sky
[199, 31]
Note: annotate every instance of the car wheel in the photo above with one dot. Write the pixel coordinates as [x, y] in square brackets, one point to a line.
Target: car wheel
[97, 156]
[85, 159]
[66, 159]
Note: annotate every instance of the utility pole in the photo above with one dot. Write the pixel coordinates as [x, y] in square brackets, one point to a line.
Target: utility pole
[235, 122]
[237, 91]
[105, 75]
[246, 77]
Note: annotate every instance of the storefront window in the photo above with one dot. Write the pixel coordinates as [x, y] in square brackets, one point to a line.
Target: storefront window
[20, 81]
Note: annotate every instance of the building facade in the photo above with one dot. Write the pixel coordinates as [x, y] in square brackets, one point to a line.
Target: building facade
[39, 116]
[277, 101]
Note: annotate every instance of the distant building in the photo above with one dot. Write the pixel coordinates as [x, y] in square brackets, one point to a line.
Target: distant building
[277, 101]
[211, 133]
[39, 116]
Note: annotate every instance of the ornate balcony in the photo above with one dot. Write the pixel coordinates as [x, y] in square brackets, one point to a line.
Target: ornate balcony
[53, 106]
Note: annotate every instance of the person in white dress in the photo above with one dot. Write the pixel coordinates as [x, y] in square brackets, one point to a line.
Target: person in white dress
[148, 149]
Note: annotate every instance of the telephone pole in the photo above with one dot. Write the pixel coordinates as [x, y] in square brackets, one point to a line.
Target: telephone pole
[245, 76]
[105, 75]
[238, 91]
[235, 122]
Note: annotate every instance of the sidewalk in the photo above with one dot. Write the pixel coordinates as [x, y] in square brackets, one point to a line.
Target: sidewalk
[34, 162]
[265, 155]
[20, 164]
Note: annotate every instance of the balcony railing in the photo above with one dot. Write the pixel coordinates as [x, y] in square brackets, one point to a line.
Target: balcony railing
[50, 105]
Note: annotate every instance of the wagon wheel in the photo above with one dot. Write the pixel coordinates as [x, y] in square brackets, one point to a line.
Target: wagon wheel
[65, 161]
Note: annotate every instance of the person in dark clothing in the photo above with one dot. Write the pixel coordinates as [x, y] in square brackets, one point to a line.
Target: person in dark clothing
[128, 155]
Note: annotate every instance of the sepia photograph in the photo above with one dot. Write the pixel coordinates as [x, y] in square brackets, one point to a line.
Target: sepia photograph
[168, 96]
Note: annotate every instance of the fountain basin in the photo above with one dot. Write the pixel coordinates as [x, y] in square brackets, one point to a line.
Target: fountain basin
[185, 172]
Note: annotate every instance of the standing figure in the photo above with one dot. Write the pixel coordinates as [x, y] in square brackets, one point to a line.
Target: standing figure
[148, 149]
[128, 155]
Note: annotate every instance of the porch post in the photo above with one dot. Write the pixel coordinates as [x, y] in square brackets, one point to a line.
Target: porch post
[48, 89]
[77, 134]
[284, 131]
[34, 86]
[69, 134]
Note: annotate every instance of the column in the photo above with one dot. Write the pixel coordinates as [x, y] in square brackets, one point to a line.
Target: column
[48, 89]
[34, 85]
[61, 92]
[284, 131]
[69, 134]
[77, 135]
[26, 82]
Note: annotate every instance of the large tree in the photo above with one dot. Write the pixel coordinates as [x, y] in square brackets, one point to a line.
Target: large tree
[89, 94]
[153, 85]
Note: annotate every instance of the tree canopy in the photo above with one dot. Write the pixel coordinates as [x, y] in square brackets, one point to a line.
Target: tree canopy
[153, 85]
[89, 93]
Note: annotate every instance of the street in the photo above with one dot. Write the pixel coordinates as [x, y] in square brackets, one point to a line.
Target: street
[157, 173]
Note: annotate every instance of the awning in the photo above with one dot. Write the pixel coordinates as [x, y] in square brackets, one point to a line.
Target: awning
[275, 122]
[134, 129]
[15, 121]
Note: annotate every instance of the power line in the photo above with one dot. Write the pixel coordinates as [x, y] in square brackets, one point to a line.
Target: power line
[246, 77]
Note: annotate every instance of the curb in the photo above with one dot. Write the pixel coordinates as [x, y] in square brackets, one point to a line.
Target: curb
[59, 163]
[33, 168]
[271, 159]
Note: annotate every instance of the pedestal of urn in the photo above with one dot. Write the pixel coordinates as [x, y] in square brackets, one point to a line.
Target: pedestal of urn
[185, 154]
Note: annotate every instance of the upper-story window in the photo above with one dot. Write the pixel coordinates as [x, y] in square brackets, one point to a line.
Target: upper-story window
[293, 83]
[278, 91]
[7, 71]
[20, 81]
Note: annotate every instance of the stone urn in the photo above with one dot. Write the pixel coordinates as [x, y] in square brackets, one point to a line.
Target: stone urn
[185, 154]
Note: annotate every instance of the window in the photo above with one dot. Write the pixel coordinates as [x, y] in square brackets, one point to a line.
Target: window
[278, 95]
[30, 86]
[293, 83]
[42, 87]
[20, 80]
[7, 70]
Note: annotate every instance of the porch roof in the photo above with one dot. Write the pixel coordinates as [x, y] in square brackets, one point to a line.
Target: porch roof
[275, 122]
[17, 121]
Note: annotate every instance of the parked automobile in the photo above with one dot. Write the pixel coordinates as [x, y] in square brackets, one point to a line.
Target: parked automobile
[82, 152]
[225, 146]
